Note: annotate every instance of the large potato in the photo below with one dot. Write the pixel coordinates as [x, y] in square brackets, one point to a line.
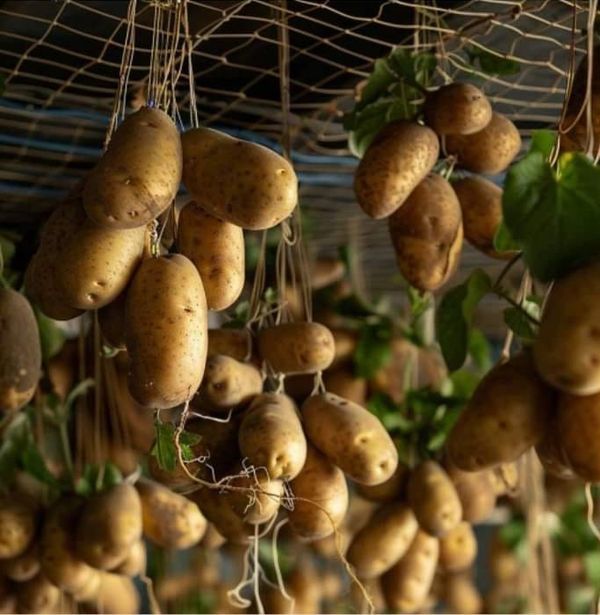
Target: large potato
[111, 319]
[166, 331]
[297, 347]
[388, 491]
[506, 416]
[37, 595]
[20, 351]
[457, 109]
[216, 248]
[481, 205]
[406, 585]
[475, 491]
[241, 182]
[458, 548]
[427, 234]
[96, 264]
[170, 520]
[116, 594]
[488, 151]
[24, 566]
[341, 381]
[567, 348]
[234, 343]
[271, 436]
[400, 156]
[434, 499]
[383, 541]
[322, 495]
[109, 524]
[138, 176]
[228, 384]
[352, 437]
[17, 526]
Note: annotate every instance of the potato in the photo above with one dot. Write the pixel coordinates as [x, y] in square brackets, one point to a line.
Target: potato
[427, 234]
[228, 384]
[212, 539]
[37, 595]
[488, 151]
[58, 557]
[505, 417]
[96, 264]
[109, 524]
[20, 351]
[24, 566]
[216, 248]
[406, 585]
[567, 348]
[218, 509]
[89, 590]
[458, 548]
[138, 176]
[303, 586]
[342, 382]
[322, 495]
[375, 593]
[461, 595]
[506, 479]
[504, 565]
[326, 271]
[351, 437]
[271, 436]
[389, 490]
[481, 205]
[170, 520]
[116, 594]
[345, 341]
[135, 563]
[399, 157]
[383, 541]
[260, 503]
[241, 182]
[166, 331]
[234, 343]
[297, 347]
[17, 526]
[550, 449]
[475, 491]
[457, 109]
[111, 319]
[434, 499]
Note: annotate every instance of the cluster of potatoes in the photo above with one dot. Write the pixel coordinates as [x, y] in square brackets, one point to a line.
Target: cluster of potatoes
[428, 216]
[86, 551]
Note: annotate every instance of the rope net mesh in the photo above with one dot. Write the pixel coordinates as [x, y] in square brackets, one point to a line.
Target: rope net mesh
[61, 63]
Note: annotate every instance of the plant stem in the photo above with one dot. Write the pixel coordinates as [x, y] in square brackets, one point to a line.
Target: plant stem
[64, 439]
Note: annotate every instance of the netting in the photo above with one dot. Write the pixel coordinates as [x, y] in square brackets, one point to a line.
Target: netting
[61, 63]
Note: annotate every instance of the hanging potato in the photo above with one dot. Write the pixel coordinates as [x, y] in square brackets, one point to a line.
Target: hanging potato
[135, 563]
[24, 566]
[17, 526]
[458, 548]
[460, 594]
[550, 450]
[341, 381]
[234, 343]
[37, 595]
[475, 491]
[260, 502]
[111, 319]
[388, 491]
[116, 594]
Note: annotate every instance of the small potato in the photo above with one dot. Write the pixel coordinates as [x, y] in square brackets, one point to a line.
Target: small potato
[166, 331]
[427, 234]
[271, 436]
[461, 595]
[297, 347]
[383, 541]
[406, 585]
[234, 343]
[481, 205]
[505, 417]
[488, 151]
[20, 351]
[241, 182]
[228, 384]
[322, 495]
[24, 566]
[398, 159]
[218, 509]
[138, 176]
[457, 109]
[216, 248]
[109, 524]
[352, 437]
[434, 499]
[475, 491]
[375, 593]
[504, 565]
[388, 491]
[458, 548]
[303, 586]
[116, 594]
[37, 595]
[111, 319]
[326, 271]
[135, 563]
[17, 526]
[260, 503]
[567, 348]
[170, 520]
[345, 341]
[342, 382]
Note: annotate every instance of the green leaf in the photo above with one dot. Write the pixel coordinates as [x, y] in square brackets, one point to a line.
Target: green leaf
[389, 413]
[52, 339]
[503, 241]
[240, 316]
[480, 350]
[373, 350]
[454, 315]
[542, 141]
[517, 321]
[554, 216]
[377, 84]
[463, 384]
[491, 63]
[591, 565]
[354, 306]
[112, 476]
[33, 463]
[164, 448]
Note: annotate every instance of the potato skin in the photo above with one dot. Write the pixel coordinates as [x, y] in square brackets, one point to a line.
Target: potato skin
[460, 594]
[457, 109]
[351, 437]
[24, 566]
[135, 563]
[37, 595]
[324, 484]
[170, 520]
[138, 176]
[216, 248]
[388, 491]
[241, 182]
[488, 151]
[427, 234]
[17, 526]
[218, 509]
[383, 541]
[271, 436]
[111, 319]
[20, 351]
[567, 349]
[475, 491]
[550, 450]
[115, 594]
[400, 156]
[261, 504]
[434, 499]
[406, 585]
[342, 382]
[297, 347]
[166, 331]
[458, 548]
[234, 343]
[506, 416]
